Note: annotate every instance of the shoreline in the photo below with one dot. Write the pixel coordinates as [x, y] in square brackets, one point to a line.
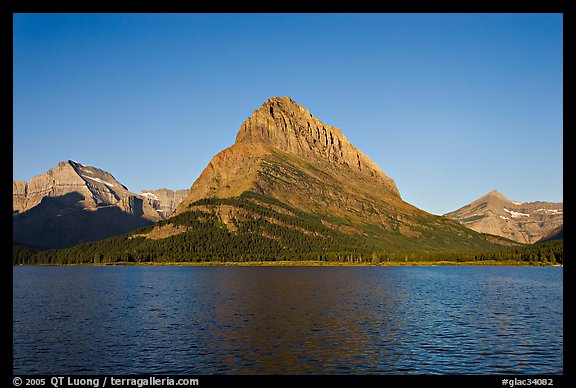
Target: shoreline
[493, 263]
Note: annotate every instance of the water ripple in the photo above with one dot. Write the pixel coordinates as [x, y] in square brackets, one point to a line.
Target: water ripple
[201, 320]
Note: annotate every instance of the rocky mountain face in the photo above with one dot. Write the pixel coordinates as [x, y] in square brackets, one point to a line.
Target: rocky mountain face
[525, 222]
[164, 201]
[287, 126]
[285, 152]
[74, 203]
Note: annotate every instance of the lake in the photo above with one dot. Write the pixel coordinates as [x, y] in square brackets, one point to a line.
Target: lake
[287, 320]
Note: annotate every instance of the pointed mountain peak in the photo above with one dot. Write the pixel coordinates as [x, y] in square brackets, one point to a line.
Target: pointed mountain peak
[284, 151]
[275, 120]
[280, 101]
[70, 163]
[282, 123]
[496, 194]
[284, 106]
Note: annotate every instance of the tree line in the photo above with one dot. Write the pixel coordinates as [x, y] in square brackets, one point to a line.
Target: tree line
[274, 232]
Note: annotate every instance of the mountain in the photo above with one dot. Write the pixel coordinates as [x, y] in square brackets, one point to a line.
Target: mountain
[292, 186]
[74, 203]
[164, 201]
[525, 222]
[285, 152]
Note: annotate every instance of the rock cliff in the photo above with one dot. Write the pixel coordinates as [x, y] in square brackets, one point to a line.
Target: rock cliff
[289, 127]
[164, 201]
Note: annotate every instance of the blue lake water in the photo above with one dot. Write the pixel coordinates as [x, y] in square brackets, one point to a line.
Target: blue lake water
[287, 320]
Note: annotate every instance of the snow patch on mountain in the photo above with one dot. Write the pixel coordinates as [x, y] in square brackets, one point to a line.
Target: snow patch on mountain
[150, 196]
[516, 214]
[549, 211]
[98, 180]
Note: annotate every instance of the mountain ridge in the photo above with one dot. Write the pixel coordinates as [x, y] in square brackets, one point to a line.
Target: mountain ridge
[290, 188]
[525, 222]
[74, 203]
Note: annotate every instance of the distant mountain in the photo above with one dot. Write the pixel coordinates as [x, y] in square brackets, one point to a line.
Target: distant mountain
[74, 203]
[164, 201]
[525, 222]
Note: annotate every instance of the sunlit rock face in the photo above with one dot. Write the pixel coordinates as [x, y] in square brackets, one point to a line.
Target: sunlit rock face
[73, 203]
[525, 222]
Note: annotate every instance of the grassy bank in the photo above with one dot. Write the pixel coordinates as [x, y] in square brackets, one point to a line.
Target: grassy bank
[311, 263]
[541, 254]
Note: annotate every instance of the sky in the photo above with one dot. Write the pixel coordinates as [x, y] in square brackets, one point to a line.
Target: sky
[451, 106]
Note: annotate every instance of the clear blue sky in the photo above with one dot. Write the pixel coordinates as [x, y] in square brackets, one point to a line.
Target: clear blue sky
[450, 106]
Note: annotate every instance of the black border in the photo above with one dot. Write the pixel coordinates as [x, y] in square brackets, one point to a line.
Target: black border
[432, 381]
[566, 7]
[319, 6]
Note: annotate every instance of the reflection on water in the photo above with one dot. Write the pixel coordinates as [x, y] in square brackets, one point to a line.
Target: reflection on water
[288, 320]
[305, 320]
